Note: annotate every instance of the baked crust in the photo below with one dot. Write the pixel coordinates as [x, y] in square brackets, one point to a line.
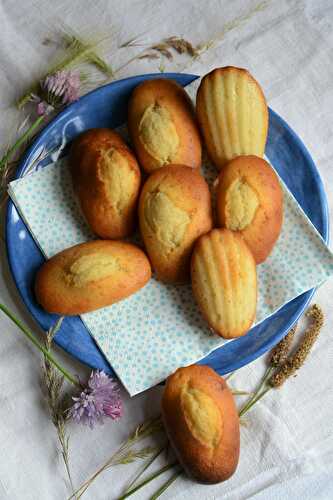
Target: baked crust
[162, 125]
[91, 275]
[174, 210]
[232, 114]
[106, 178]
[202, 423]
[250, 201]
[224, 282]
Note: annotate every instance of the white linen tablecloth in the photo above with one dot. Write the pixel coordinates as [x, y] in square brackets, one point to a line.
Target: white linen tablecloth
[287, 446]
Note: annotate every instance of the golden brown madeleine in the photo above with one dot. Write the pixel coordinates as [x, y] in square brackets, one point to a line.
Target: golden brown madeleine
[162, 125]
[174, 210]
[91, 275]
[250, 201]
[202, 423]
[224, 282]
[106, 178]
[232, 113]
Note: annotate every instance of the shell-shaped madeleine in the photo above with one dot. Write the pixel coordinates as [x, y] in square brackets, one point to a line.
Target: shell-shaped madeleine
[174, 210]
[232, 113]
[224, 282]
[250, 201]
[162, 125]
[91, 275]
[106, 178]
[201, 420]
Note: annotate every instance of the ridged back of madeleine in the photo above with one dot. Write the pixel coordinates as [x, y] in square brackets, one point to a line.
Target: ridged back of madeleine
[202, 423]
[91, 275]
[174, 210]
[162, 125]
[106, 178]
[232, 113]
[224, 282]
[249, 200]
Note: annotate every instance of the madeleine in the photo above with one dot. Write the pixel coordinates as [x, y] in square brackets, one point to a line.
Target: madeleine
[249, 200]
[162, 125]
[202, 423]
[174, 210]
[106, 178]
[224, 282]
[91, 275]
[232, 113]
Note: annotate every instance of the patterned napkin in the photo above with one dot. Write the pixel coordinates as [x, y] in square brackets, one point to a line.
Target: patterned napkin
[148, 335]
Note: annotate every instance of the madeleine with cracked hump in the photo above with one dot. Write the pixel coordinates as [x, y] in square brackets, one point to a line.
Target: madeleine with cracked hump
[250, 201]
[174, 210]
[202, 423]
[91, 275]
[232, 113]
[224, 282]
[162, 125]
[106, 178]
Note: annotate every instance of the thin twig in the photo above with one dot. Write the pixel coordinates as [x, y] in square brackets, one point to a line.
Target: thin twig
[39, 346]
[235, 392]
[21, 140]
[145, 467]
[54, 383]
[125, 452]
[148, 480]
[249, 404]
[166, 485]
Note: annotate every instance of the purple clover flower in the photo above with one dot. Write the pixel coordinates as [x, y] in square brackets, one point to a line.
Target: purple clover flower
[100, 399]
[59, 89]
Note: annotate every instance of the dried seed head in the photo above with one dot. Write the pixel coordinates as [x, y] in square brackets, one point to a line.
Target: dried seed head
[316, 314]
[160, 46]
[281, 350]
[163, 48]
[149, 56]
[294, 362]
[166, 53]
[181, 45]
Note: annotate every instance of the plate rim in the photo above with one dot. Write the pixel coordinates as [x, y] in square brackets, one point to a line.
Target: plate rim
[307, 296]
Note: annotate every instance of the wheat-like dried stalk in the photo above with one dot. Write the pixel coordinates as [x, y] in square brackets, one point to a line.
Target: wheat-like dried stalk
[56, 403]
[281, 366]
[296, 361]
[281, 351]
[126, 453]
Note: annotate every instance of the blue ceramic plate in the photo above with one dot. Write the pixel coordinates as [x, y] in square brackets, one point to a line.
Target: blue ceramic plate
[107, 107]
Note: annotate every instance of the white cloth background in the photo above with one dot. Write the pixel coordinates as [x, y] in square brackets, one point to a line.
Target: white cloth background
[287, 447]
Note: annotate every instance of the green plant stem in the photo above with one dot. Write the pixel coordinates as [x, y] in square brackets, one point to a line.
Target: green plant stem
[254, 401]
[75, 43]
[235, 392]
[166, 485]
[39, 346]
[255, 394]
[146, 481]
[84, 52]
[20, 141]
[145, 467]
